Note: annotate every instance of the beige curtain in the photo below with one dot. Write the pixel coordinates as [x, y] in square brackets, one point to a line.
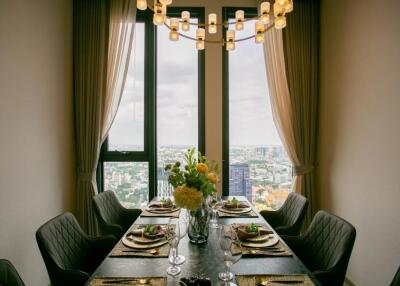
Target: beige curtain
[122, 27]
[294, 106]
[102, 45]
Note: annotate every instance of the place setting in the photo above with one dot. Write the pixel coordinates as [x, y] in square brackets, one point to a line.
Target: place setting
[149, 240]
[143, 281]
[257, 240]
[272, 280]
[162, 208]
[235, 208]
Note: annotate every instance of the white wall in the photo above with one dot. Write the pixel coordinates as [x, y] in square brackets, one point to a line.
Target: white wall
[359, 131]
[36, 126]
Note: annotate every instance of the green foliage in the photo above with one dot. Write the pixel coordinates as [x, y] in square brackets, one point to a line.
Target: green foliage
[252, 228]
[189, 176]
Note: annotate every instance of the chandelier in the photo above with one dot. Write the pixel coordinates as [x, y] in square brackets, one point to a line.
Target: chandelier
[262, 25]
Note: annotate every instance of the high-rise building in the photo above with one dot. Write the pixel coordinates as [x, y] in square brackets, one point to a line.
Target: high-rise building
[239, 181]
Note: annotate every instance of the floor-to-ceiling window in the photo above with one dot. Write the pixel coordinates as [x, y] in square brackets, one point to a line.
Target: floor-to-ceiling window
[255, 162]
[160, 115]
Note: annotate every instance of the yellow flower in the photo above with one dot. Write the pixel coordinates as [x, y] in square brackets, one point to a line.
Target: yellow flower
[202, 168]
[188, 198]
[212, 177]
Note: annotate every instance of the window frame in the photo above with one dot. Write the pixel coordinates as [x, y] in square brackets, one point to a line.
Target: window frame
[149, 154]
[228, 12]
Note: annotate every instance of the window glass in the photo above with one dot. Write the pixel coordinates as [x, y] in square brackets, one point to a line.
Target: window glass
[259, 167]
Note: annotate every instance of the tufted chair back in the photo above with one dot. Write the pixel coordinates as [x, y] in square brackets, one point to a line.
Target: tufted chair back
[107, 207]
[327, 244]
[396, 279]
[294, 210]
[9, 275]
[63, 244]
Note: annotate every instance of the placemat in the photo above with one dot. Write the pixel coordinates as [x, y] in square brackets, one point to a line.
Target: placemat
[174, 214]
[120, 250]
[278, 250]
[253, 280]
[251, 213]
[153, 281]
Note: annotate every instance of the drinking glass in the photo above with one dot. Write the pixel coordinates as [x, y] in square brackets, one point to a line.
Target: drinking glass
[228, 251]
[172, 236]
[215, 203]
[181, 228]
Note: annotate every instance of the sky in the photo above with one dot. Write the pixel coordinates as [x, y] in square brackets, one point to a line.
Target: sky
[250, 119]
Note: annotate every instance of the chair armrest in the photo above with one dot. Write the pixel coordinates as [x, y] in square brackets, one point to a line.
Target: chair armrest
[113, 229]
[294, 242]
[99, 248]
[326, 276]
[272, 217]
[129, 216]
[72, 277]
[286, 230]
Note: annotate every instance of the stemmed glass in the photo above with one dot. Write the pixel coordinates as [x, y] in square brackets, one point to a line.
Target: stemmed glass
[181, 229]
[228, 251]
[172, 235]
[215, 203]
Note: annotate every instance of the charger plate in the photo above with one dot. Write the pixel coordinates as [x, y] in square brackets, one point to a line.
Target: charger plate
[133, 244]
[235, 211]
[271, 241]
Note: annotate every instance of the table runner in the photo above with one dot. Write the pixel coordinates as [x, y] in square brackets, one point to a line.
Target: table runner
[253, 280]
[152, 281]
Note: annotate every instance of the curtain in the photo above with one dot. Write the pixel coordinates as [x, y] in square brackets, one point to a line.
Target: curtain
[291, 65]
[300, 45]
[102, 46]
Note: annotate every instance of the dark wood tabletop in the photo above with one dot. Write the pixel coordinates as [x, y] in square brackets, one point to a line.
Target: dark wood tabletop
[200, 259]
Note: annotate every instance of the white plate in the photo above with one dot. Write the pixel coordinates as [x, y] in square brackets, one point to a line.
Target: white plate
[162, 211]
[235, 211]
[271, 241]
[133, 244]
[258, 238]
[142, 239]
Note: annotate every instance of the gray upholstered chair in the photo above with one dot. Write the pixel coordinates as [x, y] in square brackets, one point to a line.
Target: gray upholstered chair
[113, 218]
[69, 254]
[325, 247]
[9, 275]
[396, 279]
[289, 218]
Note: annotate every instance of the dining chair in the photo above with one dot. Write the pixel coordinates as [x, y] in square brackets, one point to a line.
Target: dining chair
[113, 218]
[325, 247]
[289, 218]
[396, 279]
[69, 254]
[9, 275]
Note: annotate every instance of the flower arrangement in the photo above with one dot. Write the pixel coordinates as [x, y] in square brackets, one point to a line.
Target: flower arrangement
[195, 182]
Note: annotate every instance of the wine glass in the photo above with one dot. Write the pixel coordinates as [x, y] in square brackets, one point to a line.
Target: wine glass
[172, 236]
[181, 228]
[228, 251]
[215, 203]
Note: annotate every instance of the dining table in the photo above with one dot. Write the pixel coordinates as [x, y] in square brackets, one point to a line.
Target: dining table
[200, 259]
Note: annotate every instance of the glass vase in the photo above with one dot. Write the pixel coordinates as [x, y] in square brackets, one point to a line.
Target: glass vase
[198, 224]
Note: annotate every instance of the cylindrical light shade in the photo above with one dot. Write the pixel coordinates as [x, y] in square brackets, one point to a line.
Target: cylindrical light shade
[174, 24]
[230, 46]
[278, 9]
[265, 19]
[280, 22]
[200, 45]
[141, 4]
[264, 7]
[165, 2]
[239, 16]
[200, 34]
[259, 38]
[289, 6]
[173, 35]
[281, 2]
[230, 40]
[259, 25]
[185, 20]
[158, 19]
[212, 21]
